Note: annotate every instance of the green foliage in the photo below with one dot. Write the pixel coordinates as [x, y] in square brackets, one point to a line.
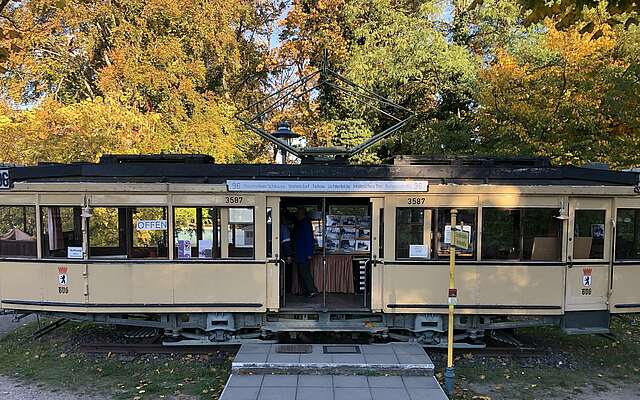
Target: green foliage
[557, 79]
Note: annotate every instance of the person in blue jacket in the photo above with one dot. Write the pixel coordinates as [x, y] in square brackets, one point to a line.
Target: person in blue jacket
[303, 243]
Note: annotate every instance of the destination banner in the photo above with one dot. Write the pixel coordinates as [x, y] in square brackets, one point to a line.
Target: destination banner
[257, 185]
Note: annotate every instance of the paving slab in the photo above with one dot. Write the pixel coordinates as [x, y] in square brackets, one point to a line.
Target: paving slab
[318, 359]
[332, 372]
[331, 387]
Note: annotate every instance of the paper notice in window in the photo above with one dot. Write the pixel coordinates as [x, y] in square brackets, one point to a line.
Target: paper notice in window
[418, 251]
[74, 252]
[205, 249]
[447, 232]
[184, 248]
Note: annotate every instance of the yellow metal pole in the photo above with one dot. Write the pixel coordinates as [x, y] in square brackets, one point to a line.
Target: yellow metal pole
[452, 296]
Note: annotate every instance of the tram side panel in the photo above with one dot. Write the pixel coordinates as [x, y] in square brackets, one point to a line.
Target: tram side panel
[21, 285]
[504, 289]
[130, 284]
[45, 286]
[229, 286]
[625, 296]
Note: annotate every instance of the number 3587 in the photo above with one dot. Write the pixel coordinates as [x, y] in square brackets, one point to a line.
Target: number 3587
[233, 200]
[413, 201]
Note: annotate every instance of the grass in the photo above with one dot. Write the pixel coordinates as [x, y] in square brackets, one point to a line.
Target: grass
[56, 362]
[574, 365]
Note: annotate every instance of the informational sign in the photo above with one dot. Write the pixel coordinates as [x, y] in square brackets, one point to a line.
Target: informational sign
[74, 252]
[418, 251]
[151, 225]
[453, 297]
[460, 239]
[5, 179]
[257, 185]
[447, 231]
[587, 280]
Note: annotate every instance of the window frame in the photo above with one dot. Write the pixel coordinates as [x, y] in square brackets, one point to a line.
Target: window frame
[174, 235]
[35, 234]
[41, 239]
[224, 230]
[636, 211]
[253, 229]
[521, 237]
[128, 245]
[434, 229]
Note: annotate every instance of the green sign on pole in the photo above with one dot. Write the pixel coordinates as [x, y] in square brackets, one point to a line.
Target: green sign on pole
[460, 239]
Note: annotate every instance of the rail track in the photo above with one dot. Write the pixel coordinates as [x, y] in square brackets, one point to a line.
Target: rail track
[154, 348]
[158, 348]
[498, 351]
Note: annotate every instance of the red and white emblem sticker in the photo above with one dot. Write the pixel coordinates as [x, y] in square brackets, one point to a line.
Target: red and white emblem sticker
[63, 278]
[586, 277]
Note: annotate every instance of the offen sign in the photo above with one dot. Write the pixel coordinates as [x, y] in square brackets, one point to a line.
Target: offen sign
[151, 225]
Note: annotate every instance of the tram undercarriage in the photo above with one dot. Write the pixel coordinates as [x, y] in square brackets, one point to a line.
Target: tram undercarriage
[232, 328]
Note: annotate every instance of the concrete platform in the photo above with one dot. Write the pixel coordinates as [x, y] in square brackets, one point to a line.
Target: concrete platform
[395, 371]
[331, 387]
[389, 359]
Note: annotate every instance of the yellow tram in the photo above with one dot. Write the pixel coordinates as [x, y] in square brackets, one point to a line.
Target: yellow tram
[192, 247]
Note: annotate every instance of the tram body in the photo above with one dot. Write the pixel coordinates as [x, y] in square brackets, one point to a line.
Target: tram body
[192, 247]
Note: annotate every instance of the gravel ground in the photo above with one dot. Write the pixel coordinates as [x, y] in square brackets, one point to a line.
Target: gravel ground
[14, 390]
[7, 324]
[11, 389]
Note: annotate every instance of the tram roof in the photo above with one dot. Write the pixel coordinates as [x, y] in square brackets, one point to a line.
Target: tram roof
[202, 169]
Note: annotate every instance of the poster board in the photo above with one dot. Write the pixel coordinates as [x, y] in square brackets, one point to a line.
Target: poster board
[348, 234]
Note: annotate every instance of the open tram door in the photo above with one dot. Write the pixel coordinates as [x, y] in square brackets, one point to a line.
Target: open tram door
[341, 261]
[588, 271]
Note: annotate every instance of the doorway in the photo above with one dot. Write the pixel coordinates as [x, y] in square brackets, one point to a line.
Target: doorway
[589, 253]
[340, 265]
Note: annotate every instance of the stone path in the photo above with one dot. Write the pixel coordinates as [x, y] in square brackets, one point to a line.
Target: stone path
[395, 371]
[332, 387]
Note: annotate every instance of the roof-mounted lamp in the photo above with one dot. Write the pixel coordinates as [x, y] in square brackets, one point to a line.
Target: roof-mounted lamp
[563, 213]
[284, 133]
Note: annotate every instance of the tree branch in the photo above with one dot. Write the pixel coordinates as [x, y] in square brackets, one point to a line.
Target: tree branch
[3, 4]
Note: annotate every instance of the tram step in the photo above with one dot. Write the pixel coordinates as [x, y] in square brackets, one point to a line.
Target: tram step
[351, 359]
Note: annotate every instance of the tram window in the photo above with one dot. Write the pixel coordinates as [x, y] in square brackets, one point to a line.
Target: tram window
[241, 233]
[413, 233]
[500, 234]
[18, 231]
[541, 234]
[628, 234]
[196, 233]
[588, 234]
[128, 232]
[61, 232]
[466, 219]
[521, 234]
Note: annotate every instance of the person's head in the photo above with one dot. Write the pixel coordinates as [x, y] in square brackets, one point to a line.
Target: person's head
[301, 214]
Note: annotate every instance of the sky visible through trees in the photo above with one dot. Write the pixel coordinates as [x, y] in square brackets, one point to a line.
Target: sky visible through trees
[485, 77]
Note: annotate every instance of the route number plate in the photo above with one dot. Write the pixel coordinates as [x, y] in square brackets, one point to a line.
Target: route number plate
[5, 182]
